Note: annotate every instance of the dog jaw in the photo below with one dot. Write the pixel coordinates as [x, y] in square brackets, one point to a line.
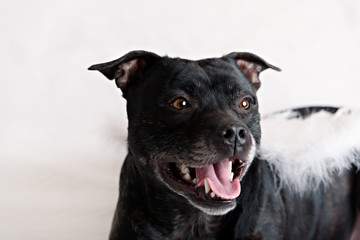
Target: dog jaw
[212, 188]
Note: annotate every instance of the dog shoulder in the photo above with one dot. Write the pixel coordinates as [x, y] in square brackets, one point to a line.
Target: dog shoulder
[306, 146]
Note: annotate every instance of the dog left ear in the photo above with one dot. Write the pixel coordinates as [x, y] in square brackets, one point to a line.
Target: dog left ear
[251, 65]
[127, 69]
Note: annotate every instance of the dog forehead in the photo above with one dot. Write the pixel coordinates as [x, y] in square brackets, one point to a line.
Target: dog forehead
[205, 76]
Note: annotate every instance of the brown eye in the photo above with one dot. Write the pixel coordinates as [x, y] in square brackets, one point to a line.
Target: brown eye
[179, 103]
[244, 104]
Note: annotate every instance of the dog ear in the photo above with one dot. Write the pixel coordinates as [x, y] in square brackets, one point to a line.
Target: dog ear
[251, 65]
[127, 68]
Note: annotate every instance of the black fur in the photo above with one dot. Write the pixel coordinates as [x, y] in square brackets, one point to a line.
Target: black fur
[150, 206]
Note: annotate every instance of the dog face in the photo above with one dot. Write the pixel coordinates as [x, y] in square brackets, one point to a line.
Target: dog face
[193, 125]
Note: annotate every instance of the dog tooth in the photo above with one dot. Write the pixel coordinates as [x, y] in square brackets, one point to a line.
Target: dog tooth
[184, 169]
[195, 181]
[231, 175]
[207, 187]
[187, 177]
[230, 163]
[212, 194]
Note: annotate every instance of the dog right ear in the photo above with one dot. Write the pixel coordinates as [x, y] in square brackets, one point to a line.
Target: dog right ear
[127, 69]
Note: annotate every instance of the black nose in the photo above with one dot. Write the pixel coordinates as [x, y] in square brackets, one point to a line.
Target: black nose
[234, 135]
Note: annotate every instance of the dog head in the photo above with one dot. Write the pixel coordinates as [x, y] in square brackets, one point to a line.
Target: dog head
[193, 125]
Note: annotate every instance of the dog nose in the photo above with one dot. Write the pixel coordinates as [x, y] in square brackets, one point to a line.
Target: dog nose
[234, 135]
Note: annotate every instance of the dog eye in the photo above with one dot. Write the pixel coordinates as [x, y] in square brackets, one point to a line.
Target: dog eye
[179, 103]
[244, 104]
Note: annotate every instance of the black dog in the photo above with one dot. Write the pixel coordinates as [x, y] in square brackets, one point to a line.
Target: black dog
[192, 171]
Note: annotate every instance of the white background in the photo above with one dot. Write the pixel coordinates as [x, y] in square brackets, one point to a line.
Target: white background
[63, 128]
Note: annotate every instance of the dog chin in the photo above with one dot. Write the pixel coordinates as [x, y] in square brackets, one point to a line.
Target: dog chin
[222, 209]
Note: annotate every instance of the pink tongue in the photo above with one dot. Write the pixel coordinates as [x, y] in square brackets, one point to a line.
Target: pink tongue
[220, 182]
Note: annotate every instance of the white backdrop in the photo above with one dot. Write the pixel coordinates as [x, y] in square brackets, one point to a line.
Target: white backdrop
[63, 128]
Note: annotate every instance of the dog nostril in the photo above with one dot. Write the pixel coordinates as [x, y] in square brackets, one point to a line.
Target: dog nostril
[229, 133]
[242, 133]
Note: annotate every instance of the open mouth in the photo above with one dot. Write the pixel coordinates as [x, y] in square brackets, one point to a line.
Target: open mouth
[219, 182]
